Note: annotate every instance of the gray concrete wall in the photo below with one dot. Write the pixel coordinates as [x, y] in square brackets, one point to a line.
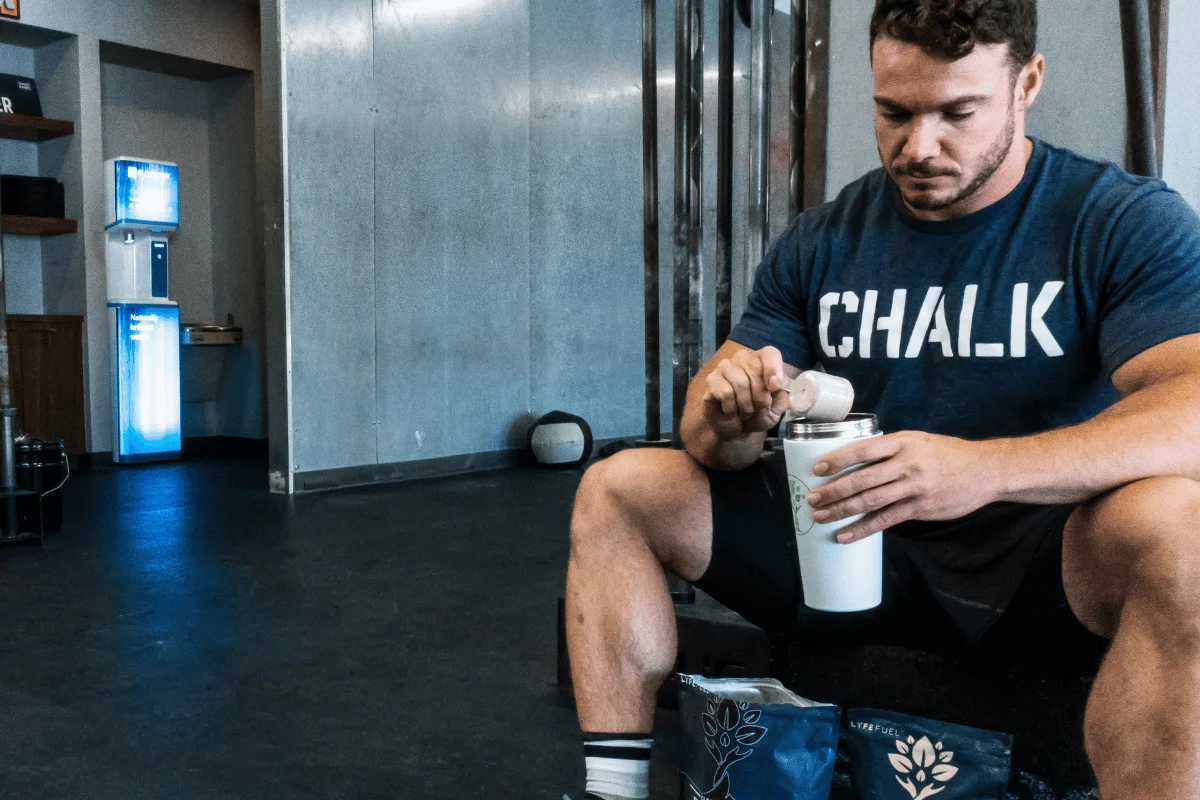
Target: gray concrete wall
[218, 31]
[64, 267]
[331, 135]
[465, 238]
[1181, 151]
[237, 273]
[464, 224]
[586, 340]
[1082, 106]
[23, 286]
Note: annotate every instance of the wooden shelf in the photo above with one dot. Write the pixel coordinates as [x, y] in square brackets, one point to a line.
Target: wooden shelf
[38, 226]
[34, 129]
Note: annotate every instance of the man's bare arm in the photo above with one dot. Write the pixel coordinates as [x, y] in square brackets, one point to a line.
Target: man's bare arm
[1153, 430]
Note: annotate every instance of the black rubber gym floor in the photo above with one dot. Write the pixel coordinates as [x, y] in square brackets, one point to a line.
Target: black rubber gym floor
[189, 635]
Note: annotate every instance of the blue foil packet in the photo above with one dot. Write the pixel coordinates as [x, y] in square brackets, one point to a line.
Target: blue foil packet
[897, 757]
[753, 739]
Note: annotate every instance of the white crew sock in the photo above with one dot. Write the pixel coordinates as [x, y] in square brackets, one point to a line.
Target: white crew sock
[618, 766]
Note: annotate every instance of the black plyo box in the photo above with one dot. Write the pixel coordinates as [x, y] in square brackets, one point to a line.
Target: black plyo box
[19, 95]
[32, 197]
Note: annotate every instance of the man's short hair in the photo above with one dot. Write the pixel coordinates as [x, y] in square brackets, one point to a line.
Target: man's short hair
[950, 29]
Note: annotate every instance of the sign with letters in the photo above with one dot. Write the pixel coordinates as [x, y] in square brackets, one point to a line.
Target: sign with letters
[10, 9]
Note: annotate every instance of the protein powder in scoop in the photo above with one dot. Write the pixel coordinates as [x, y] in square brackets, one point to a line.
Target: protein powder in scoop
[820, 397]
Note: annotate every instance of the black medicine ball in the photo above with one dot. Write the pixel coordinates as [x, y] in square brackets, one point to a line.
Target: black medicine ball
[560, 439]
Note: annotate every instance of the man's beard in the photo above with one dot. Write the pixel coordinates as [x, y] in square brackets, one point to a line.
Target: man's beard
[992, 161]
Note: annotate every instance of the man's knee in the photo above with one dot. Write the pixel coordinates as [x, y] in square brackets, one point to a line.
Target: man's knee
[1145, 548]
[609, 487]
[656, 496]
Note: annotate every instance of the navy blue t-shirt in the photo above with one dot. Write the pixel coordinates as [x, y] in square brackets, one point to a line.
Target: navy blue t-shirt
[1005, 322]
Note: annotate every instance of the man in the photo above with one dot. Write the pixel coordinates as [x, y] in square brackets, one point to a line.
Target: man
[1026, 323]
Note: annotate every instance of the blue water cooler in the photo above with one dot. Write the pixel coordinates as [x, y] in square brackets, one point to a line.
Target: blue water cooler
[143, 210]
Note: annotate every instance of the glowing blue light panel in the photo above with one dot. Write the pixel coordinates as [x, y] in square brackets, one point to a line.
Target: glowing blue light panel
[146, 360]
[147, 193]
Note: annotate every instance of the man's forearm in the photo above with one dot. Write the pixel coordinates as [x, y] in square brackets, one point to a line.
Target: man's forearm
[703, 444]
[1152, 432]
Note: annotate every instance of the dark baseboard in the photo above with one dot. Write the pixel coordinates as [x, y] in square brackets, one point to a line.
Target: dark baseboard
[367, 474]
[225, 447]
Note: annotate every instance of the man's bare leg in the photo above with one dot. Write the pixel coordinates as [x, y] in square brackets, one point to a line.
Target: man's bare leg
[1131, 567]
[635, 512]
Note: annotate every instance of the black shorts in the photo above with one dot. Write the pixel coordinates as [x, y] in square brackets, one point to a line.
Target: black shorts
[754, 571]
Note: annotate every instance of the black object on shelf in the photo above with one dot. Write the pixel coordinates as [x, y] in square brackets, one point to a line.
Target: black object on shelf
[42, 469]
[19, 95]
[28, 196]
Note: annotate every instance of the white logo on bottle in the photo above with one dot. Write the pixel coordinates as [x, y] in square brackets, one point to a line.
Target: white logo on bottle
[923, 767]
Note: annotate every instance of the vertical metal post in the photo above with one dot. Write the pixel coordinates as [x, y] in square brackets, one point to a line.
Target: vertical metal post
[816, 102]
[695, 195]
[1139, 87]
[8, 465]
[682, 83]
[760, 116]
[797, 105]
[1160, 13]
[724, 170]
[650, 213]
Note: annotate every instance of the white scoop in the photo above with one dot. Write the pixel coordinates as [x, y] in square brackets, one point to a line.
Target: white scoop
[820, 397]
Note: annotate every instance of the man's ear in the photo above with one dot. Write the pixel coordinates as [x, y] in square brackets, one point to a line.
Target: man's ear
[1029, 81]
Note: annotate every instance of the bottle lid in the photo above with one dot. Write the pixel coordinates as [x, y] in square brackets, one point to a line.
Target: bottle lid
[855, 426]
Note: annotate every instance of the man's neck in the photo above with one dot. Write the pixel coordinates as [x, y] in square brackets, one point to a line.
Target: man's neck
[1003, 181]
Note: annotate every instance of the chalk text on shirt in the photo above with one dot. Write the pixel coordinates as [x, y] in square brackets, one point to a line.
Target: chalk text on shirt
[930, 327]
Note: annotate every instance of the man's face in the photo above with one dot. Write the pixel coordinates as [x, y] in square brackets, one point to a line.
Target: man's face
[943, 127]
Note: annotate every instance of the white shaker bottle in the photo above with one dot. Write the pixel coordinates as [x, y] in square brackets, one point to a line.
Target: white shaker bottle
[835, 577]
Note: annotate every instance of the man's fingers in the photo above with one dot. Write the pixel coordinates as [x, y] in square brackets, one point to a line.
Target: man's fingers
[735, 375]
[768, 417]
[779, 403]
[737, 379]
[863, 451]
[720, 392]
[758, 388]
[749, 362]
[854, 483]
[878, 521]
[865, 502]
[772, 367]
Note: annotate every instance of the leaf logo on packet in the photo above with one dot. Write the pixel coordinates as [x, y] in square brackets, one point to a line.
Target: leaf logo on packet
[753, 739]
[729, 740]
[729, 736]
[914, 761]
[926, 758]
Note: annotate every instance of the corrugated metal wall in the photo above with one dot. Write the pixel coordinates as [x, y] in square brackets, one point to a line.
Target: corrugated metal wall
[452, 222]
[465, 222]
